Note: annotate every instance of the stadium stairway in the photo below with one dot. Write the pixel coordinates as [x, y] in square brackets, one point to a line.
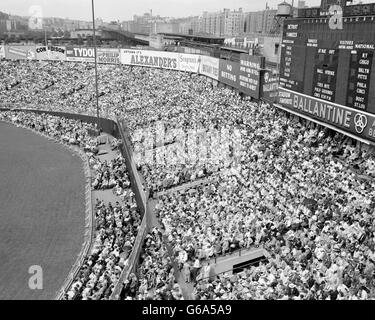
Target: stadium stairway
[187, 186]
[186, 288]
[106, 154]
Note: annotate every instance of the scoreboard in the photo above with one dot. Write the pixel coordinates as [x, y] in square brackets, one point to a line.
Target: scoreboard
[359, 78]
[293, 50]
[325, 68]
[324, 84]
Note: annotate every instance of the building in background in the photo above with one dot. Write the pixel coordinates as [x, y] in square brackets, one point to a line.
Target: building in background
[301, 4]
[233, 22]
[229, 23]
[251, 22]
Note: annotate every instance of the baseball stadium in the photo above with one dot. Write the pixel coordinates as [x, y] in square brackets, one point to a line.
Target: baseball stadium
[137, 173]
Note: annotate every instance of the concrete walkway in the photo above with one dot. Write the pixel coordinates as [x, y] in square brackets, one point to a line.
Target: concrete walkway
[105, 154]
[186, 288]
[187, 186]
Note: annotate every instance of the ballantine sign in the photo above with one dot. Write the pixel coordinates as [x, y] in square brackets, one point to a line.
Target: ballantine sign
[358, 122]
[320, 109]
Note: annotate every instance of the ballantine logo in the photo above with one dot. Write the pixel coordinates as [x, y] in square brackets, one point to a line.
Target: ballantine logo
[357, 122]
[323, 110]
[360, 122]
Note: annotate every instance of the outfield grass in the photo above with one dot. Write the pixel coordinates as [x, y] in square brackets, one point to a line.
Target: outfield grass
[42, 212]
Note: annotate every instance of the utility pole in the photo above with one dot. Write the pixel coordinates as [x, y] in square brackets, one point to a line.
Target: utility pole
[45, 38]
[96, 66]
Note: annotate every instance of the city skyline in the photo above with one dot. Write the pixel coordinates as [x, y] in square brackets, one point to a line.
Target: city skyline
[113, 10]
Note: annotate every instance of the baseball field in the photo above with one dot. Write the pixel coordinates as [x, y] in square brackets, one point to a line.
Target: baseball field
[42, 212]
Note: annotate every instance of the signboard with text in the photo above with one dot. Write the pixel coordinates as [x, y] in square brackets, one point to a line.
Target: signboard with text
[108, 56]
[359, 123]
[50, 53]
[155, 59]
[228, 72]
[80, 54]
[188, 62]
[249, 74]
[269, 85]
[361, 60]
[325, 74]
[209, 67]
[20, 52]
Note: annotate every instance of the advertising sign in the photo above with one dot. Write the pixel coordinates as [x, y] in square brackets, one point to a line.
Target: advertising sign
[228, 72]
[108, 56]
[20, 52]
[80, 54]
[209, 67]
[50, 53]
[155, 59]
[360, 123]
[188, 62]
[249, 74]
[2, 52]
[269, 85]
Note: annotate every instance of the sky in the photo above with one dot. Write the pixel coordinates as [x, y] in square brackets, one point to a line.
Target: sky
[111, 10]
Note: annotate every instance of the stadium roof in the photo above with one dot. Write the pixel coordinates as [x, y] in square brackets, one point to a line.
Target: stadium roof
[193, 36]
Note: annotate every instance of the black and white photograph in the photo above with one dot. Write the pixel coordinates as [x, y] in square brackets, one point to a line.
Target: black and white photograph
[181, 156]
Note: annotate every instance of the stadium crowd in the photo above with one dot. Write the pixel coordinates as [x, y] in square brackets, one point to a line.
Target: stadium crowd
[301, 192]
[156, 280]
[69, 131]
[116, 230]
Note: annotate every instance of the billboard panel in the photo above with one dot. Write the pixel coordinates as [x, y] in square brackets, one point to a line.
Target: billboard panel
[80, 54]
[249, 74]
[2, 52]
[359, 123]
[228, 72]
[20, 52]
[50, 53]
[188, 62]
[155, 59]
[269, 85]
[209, 67]
[111, 56]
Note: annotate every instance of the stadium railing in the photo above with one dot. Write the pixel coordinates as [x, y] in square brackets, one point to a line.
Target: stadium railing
[142, 201]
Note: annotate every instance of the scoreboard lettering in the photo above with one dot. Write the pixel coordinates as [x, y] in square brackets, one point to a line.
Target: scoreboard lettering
[324, 84]
[293, 52]
[359, 77]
